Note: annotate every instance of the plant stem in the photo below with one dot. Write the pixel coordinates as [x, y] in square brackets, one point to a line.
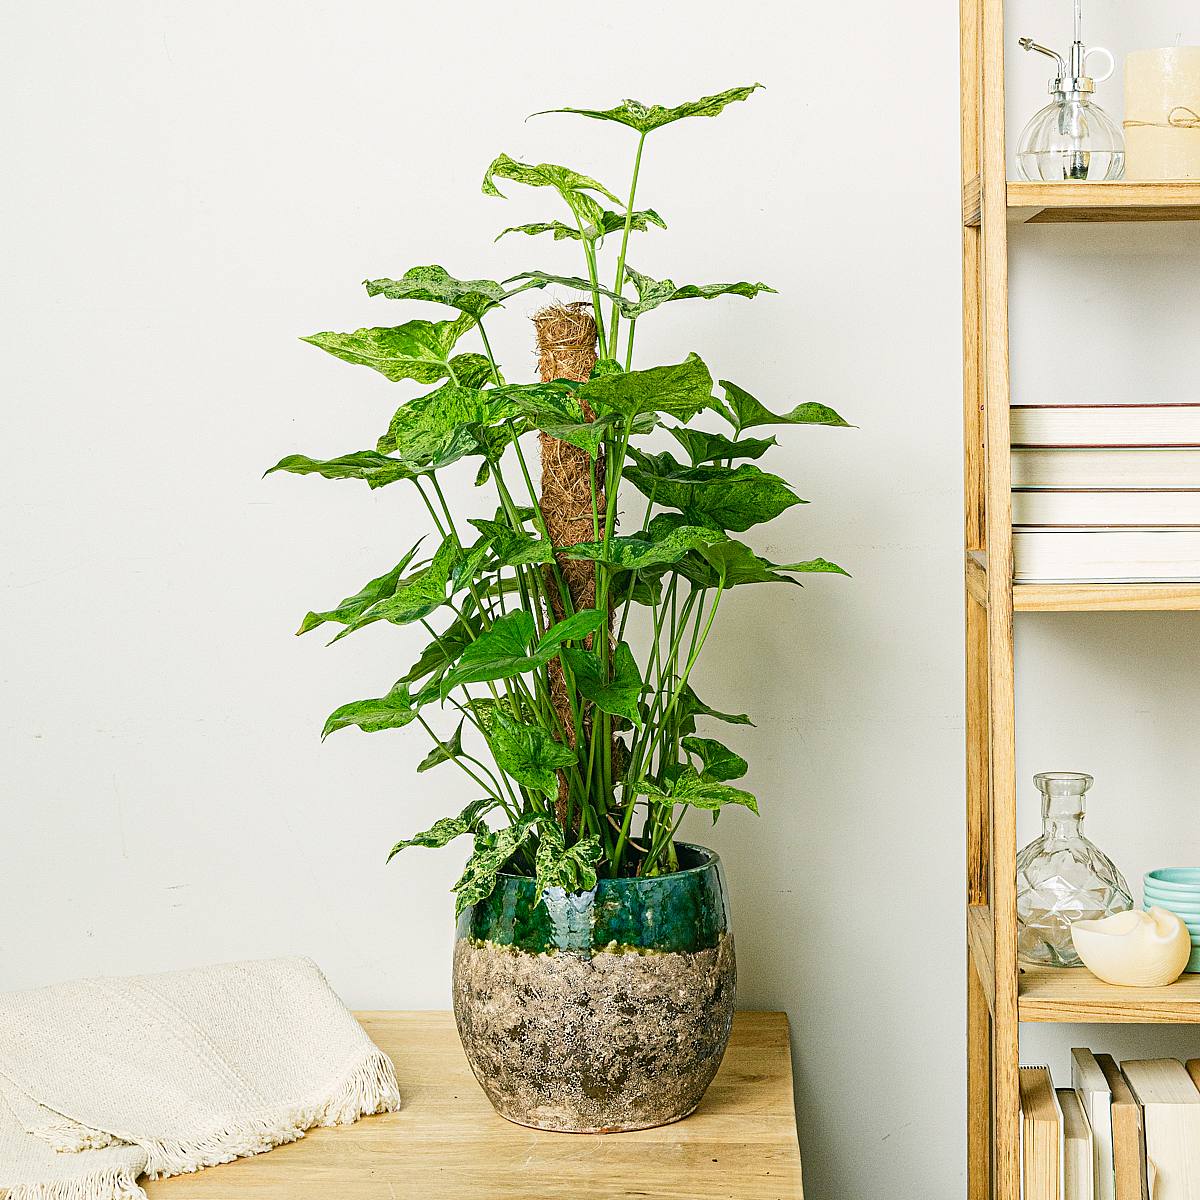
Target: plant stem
[616, 308]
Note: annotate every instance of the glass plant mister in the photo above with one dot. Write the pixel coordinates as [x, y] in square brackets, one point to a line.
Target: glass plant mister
[1072, 138]
[1062, 877]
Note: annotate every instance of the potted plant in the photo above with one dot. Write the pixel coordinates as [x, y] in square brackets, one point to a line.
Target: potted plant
[594, 967]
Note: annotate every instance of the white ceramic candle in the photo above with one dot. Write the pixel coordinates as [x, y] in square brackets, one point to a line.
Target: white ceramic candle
[1134, 948]
[1162, 113]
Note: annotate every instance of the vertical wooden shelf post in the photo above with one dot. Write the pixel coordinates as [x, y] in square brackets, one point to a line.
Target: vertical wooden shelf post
[993, 1130]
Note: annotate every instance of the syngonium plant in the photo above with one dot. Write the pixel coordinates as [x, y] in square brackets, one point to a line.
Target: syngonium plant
[591, 725]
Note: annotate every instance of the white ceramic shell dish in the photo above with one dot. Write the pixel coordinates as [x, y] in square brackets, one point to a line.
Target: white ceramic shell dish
[1134, 948]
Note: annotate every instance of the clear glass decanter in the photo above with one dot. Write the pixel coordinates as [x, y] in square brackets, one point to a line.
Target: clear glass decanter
[1062, 877]
[1072, 139]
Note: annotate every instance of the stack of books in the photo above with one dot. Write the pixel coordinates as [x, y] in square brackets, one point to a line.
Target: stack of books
[1106, 493]
[1128, 1132]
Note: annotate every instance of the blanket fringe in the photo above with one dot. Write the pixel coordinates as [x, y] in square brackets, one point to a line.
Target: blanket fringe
[114, 1184]
[369, 1088]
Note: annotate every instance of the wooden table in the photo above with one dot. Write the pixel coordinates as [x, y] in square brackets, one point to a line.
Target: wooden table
[448, 1144]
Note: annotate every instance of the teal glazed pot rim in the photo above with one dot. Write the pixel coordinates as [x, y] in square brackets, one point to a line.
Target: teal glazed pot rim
[707, 860]
[1177, 880]
[682, 912]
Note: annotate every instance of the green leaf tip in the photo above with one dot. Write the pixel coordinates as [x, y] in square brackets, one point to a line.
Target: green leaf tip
[645, 118]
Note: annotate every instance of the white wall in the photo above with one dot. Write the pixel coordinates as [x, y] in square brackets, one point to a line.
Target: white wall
[191, 187]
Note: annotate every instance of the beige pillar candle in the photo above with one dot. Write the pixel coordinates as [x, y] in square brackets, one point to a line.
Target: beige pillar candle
[1162, 113]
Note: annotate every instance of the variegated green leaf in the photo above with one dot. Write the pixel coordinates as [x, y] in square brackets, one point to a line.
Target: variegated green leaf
[655, 292]
[393, 711]
[528, 753]
[718, 761]
[703, 447]
[647, 117]
[569, 184]
[353, 607]
[473, 297]
[376, 469]
[415, 597]
[422, 428]
[663, 543]
[610, 222]
[572, 868]
[679, 389]
[732, 564]
[448, 751]
[442, 833]
[749, 412]
[730, 498]
[418, 350]
[492, 852]
[689, 787]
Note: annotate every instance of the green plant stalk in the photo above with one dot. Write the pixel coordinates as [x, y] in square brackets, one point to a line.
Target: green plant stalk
[616, 308]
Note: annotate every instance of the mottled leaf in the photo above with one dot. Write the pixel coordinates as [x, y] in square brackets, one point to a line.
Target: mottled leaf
[732, 563]
[511, 547]
[448, 751]
[498, 653]
[647, 117]
[572, 868]
[704, 447]
[731, 498]
[719, 762]
[443, 832]
[415, 597]
[618, 695]
[661, 544]
[749, 412]
[393, 711]
[609, 222]
[528, 753]
[354, 606]
[652, 293]
[680, 390]
[474, 297]
[492, 852]
[418, 350]
[689, 787]
[423, 428]
[376, 469]
[689, 706]
[568, 183]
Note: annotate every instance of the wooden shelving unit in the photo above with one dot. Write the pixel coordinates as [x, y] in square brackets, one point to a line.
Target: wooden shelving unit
[1000, 995]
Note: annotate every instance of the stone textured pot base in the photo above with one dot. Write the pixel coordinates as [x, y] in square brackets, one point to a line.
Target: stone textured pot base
[609, 1042]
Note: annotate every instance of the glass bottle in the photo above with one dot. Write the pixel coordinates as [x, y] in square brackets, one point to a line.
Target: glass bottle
[1072, 138]
[1062, 877]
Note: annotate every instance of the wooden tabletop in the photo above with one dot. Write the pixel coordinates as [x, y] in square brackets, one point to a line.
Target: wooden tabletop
[448, 1144]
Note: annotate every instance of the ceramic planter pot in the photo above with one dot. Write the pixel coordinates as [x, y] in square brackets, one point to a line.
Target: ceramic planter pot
[603, 1011]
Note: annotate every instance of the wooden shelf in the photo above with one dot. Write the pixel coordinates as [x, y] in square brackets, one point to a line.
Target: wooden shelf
[1084, 203]
[1075, 994]
[1106, 597]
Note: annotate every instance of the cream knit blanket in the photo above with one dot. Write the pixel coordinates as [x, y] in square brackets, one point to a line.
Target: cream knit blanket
[104, 1080]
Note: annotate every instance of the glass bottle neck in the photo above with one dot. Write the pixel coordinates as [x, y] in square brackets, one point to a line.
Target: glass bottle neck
[1061, 828]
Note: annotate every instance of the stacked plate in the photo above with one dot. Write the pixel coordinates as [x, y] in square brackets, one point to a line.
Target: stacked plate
[1177, 889]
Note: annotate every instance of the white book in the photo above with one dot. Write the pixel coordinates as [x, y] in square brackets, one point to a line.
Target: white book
[1095, 1095]
[1171, 1106]
[1088, 506]
[1079, 1168]
[1107, 468]
[1106, 555]
[1105, 425]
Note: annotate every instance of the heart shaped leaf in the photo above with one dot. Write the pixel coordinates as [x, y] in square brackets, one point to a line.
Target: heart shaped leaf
[749, 412]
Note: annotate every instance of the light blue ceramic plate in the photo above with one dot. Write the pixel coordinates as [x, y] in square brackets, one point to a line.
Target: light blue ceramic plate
[1180, 880]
